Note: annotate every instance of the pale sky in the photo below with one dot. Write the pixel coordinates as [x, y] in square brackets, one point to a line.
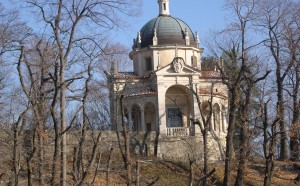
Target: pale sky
[200, 15]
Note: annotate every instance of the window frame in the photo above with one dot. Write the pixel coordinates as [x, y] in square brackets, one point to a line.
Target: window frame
[148, 64]
[172, 125]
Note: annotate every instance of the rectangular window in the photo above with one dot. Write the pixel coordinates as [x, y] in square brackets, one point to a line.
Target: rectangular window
[194, 61]
[165, 6]
[174, 117]
[149, 64]
[148, 127]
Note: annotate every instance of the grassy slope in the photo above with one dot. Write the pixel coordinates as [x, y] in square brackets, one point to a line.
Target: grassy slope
[176, 174]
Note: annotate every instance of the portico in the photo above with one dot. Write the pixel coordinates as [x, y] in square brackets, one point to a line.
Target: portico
[158, 94]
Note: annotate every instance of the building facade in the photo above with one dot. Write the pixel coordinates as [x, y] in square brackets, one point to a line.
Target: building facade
[160, 95]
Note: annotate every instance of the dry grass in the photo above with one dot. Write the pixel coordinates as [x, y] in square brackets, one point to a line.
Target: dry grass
[254, 175]
[160, 173]
[177, 174]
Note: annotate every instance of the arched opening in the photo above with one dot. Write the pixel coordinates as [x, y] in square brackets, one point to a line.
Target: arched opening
[150, 117]
[178, 106]
[136, 118]
[217, 119]
[206, 110]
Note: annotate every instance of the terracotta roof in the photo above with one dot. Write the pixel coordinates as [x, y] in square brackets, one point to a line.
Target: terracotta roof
[142, 92]
[208, 92]
[126, 75]
[211, 74]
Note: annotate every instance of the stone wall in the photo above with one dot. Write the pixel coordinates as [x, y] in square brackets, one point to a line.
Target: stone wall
[186, 147]
[150, 144]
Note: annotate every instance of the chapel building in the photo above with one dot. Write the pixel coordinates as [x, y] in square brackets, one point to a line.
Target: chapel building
[159, 94]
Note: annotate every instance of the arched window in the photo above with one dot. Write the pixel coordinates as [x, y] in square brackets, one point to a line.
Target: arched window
[217, 119]
[177, 101]
[135, 118]
[150, 117]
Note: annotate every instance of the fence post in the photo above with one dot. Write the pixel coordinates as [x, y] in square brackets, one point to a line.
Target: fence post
[137, 183]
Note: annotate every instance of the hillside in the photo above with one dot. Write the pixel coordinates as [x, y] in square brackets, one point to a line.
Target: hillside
[177, 174]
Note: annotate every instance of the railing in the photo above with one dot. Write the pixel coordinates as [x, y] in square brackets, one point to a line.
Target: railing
[178, 131]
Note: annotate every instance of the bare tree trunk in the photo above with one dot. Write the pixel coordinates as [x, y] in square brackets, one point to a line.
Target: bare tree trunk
[126, 156]
[269, 145]
[29, 164]
[56, 127]
[229, 138]
[63, 125]
[244, 148]
[295, 127]
[40, 156]
[108, 166]
[16, 154]
[191, 175]
[41, 104]
[281, 114]
[204, 128]
[97, 168]
[126, 152]
[29, 172]
[91, 161]
[205, 151]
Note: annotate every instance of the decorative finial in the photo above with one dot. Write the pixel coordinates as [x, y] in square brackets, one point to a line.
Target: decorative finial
[222, 63]
[139, 37]
[164, 9]
[187, 38]
[197, 40]
[139, 40]
[155, 42]
[114, 65]
[134, 44]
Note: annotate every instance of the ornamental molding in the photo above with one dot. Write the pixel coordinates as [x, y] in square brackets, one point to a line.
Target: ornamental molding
[178, 63]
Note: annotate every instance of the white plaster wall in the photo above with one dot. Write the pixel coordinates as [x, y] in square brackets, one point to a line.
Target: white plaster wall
[162, 56]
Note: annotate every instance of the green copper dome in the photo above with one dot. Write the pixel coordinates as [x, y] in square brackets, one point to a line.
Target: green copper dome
[170, 31]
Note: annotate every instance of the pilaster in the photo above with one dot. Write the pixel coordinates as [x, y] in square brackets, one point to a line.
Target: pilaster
[161, 103]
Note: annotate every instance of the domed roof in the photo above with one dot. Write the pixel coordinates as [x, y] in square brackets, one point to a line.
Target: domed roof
[170, 31]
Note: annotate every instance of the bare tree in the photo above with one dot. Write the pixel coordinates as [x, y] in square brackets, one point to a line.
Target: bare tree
[204, 123]
[271, 18]
[65, 18]
[12, 31]
[269, 144]
[248, 84]
[292, 38]
[235, 47]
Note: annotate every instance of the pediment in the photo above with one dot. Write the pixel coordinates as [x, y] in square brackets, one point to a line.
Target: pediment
[169, 70]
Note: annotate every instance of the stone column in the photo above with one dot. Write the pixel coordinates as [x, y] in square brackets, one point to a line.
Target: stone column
[143, 120]
[212, 122]
[222, 122]
[224, 118]
[130, 120]
[156, 120]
